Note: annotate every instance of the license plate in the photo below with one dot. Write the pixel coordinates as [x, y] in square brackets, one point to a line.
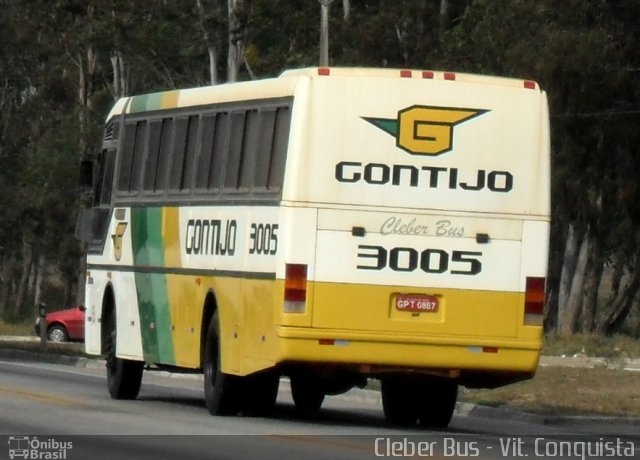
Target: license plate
[416, 303]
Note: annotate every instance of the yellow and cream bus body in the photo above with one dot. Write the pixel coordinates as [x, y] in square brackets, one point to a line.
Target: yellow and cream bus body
[329, 225]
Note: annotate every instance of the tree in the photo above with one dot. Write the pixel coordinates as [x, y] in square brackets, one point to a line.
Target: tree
[63, 63]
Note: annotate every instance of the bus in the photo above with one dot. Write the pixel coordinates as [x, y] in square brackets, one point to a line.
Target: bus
[332, 226]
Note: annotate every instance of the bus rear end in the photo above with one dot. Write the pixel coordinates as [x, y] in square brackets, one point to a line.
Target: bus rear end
[425, 200]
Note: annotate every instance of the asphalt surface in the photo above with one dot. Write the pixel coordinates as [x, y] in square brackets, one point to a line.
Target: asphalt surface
[373, 396]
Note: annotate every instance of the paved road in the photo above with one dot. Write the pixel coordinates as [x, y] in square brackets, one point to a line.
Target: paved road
[59, 403]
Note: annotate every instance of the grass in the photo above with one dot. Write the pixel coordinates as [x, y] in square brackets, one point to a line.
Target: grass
[21, 329]
[67, 349]
[564, 390]
[574, 391]
[617, 346]
[25, 329]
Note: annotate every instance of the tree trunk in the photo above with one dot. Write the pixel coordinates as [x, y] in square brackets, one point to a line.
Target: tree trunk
[569, 262]
[618, 310]
[616, 277]
[346, 9]
[568, 321]
[444, 17]
[213, 68]
[40, 276]
[595, 268]
[236, 51]
[120, 81]
[86, 71]
[212, 51]
[21, 295]
[8, 265]
[77, 285]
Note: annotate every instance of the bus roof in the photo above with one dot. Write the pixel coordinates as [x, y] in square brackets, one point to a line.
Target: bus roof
[284, 85]
[218, 94]
[408, 73]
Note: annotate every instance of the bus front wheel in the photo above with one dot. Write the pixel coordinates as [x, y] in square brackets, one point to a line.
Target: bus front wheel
[124, 378]
[221, 391]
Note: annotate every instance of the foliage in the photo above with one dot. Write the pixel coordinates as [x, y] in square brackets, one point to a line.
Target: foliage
[64, 62]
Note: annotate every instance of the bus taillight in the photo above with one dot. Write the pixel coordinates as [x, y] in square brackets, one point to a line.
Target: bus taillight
[534, 301]
[295, 288]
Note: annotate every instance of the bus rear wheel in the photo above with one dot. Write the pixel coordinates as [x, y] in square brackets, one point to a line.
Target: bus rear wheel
[260, 393]
[436, 402]
[399, 400]
[306, 393]
[221, 391]
[429, 401]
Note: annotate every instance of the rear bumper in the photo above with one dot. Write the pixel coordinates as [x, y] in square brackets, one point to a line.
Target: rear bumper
[477, 362]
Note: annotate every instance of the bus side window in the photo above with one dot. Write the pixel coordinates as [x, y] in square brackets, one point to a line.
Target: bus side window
[279, 150]
[234, 156]
[151, 166]
[132, 154]
[178, 153]
[219, 151]
[126, 157]
[204, 160]
[165, 155]
[105, 186]
[187, 178]
[100, 180]
[251, 140]
[139, 154]
[263, 158]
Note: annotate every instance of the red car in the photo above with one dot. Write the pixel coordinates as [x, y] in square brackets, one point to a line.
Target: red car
[64, 325]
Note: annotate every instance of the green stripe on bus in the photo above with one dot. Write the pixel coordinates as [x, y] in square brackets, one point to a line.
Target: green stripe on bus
[155, 101]
[138, 103]
[151, 288]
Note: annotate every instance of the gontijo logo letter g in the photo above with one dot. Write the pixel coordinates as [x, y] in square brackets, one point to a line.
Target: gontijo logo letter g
[425, 130]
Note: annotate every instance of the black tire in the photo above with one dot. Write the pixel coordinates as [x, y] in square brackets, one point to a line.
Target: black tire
[399, 400]
[260, 393]
[57, 333]
[436, 402]
[221, 391]
[124, 376]
[306, 393]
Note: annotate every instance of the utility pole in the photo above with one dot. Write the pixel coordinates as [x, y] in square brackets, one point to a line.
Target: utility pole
[324, 32]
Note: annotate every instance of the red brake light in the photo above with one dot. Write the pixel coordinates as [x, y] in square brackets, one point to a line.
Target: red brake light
[405, 73]
[324, 71]
[528, 84]
[449, 76]
[295, 288]
[427, 74]
[534, 301]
